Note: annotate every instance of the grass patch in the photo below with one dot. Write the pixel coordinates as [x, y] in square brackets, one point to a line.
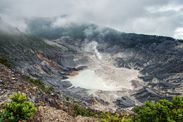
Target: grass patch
[115, 117]
[5, 61]
[102, 116]
[83, 111]
[40, 84]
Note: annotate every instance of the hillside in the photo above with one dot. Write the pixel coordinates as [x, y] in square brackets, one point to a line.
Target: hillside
[51, 106]
[102, 68]
[110, 55]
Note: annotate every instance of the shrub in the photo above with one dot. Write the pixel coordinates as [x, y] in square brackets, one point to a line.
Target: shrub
[18, 109]
[1, 117]
[161, 111]
[114, 117]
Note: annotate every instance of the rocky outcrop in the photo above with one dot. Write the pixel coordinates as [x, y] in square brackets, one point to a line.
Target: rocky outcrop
[51, 106]
[50, 114]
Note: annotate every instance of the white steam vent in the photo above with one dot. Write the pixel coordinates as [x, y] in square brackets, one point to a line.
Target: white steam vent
[92, 48]
[102, 74]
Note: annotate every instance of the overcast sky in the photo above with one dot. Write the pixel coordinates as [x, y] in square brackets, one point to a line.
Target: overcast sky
[160, 17]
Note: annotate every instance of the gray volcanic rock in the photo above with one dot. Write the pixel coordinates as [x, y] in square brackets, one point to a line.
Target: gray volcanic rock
[125, 102]
[145, 94]
[158, 59]
[66, 84]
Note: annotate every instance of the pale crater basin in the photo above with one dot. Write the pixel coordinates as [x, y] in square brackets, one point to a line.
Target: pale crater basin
[105, 79]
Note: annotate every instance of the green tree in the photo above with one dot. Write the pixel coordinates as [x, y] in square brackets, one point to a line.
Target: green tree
[161, 111]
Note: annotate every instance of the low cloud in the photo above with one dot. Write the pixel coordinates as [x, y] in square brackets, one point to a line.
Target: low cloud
[165, 8]
[179, 33]
[160, 17]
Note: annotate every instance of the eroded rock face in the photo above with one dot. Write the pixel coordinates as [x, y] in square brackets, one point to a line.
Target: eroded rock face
[141, 67]
[125, 102]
